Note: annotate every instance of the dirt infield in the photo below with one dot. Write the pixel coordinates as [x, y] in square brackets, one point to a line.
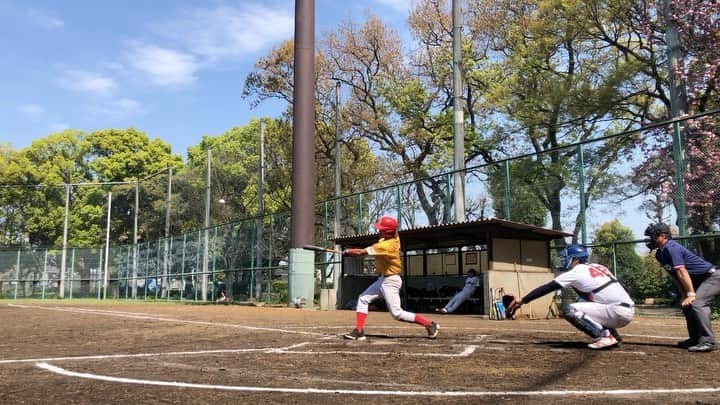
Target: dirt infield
[167, 353]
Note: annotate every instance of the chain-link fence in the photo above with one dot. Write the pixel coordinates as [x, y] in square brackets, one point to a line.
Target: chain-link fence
[668, 172]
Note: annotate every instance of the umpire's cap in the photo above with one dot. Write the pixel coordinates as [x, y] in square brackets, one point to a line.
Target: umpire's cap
[653, 231]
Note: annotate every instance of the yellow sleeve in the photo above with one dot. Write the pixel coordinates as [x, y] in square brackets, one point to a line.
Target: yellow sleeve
[385, 247]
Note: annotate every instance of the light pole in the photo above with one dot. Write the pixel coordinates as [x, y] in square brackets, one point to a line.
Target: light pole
[459, 121]
[206, 237]
[261, 208]
[337, 268]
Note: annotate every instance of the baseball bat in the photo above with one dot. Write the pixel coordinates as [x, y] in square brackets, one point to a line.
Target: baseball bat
[320, 249]
[501, 306]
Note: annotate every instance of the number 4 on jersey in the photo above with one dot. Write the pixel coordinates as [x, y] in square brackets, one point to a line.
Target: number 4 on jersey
[598, 270]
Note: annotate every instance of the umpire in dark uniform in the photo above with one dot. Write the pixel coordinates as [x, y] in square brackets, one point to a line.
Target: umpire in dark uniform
[697, 281]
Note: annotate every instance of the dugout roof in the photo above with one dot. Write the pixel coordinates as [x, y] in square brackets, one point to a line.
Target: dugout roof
[469, 233]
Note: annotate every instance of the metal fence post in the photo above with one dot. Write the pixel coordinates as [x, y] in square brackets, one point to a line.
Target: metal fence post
[506, 183]
[581, 186]
[270, 263]
[448, 199]
[17, 274]
[197, 267]
[182, 268]
[72, 273]
[214, 256]
[147, 261]
[614, 255]
[679, 182]
[359, 213]
[398, 199]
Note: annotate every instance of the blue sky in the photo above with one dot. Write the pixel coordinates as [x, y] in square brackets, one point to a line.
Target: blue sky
[172, 68]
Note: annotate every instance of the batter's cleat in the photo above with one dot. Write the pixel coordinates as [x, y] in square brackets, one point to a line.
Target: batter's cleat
[433, 330]
[703, 347]
[616, 334]
[355, 335]
[441, 310]
[603, 342]
[687, 343]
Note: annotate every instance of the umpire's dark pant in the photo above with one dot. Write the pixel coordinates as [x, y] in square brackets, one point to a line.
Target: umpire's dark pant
[697, 315]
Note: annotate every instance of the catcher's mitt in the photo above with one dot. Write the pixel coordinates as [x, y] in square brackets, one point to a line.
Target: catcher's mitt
[511, 305]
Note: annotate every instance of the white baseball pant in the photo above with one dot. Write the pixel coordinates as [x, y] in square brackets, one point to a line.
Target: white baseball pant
[607, 315]
[389, 289]
[459, 298]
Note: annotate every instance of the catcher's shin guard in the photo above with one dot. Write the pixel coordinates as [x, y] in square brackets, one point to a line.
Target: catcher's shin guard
[583, 322]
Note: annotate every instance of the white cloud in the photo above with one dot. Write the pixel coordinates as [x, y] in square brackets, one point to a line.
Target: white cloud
[226, 32]
[58, 126]
[45, 19]
[31, 109]
[120, 107]
[84, 81]
[165, 67]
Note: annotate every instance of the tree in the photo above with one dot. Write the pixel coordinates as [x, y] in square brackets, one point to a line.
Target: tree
[622, 259]
[694, 68]
[561, 85]
[50, 162]
[118, 155]
[13, 175]
[524, 206]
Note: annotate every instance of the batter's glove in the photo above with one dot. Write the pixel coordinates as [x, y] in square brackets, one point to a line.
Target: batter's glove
[511, 306]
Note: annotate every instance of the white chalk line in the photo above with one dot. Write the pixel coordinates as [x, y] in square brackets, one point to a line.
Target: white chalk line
[124, 380]
[269, 350]
[519, 330]
[467, 351]
[164, 319]
[137, 315]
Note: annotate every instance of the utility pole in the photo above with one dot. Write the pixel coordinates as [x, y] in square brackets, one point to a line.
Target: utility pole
[301, 280]
[166, 261]
[261, 209]
[337, 268]
[206, 237]
[135, 239]
[459, 120]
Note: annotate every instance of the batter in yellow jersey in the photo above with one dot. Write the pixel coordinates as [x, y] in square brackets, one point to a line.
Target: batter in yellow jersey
[387, 286]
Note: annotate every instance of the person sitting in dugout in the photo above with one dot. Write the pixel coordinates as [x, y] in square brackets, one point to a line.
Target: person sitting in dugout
[472, 281]
[604, 306]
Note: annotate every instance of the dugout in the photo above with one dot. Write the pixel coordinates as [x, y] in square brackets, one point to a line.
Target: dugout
[509, 256]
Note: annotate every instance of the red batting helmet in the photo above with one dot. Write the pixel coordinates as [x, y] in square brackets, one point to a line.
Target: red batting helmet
[386, 223]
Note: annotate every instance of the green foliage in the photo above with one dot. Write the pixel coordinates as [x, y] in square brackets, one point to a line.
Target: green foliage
[642, 277]
[525, 207]
[279, 292]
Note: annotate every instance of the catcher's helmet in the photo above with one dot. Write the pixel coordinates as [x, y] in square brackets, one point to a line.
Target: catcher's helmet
[386, 223]
[653, 231]
[573, 252]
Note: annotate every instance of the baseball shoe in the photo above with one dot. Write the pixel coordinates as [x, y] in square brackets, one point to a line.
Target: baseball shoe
[703, 347]
[441, 310]
[616, 334]
[603, 342]
[355, 335]
[687, 343]
[432, 330]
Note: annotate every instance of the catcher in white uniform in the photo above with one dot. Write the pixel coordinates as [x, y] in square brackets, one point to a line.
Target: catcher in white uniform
[605, 304]
[472, 282]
